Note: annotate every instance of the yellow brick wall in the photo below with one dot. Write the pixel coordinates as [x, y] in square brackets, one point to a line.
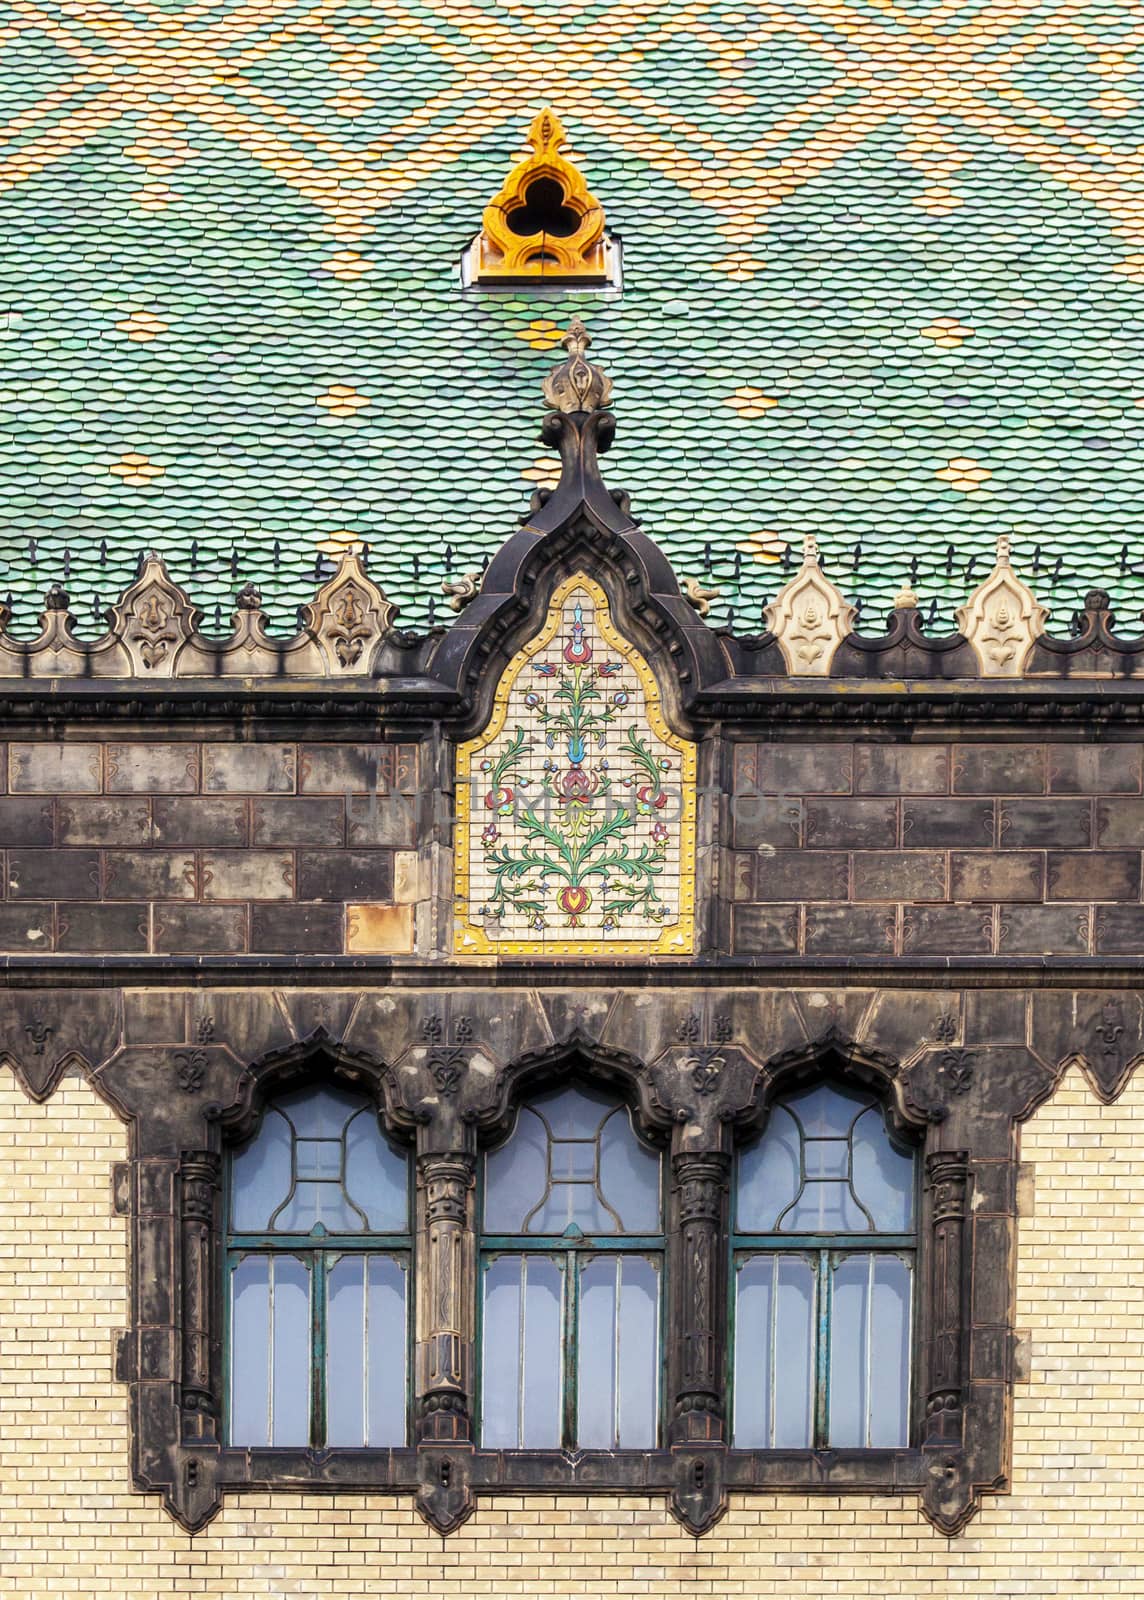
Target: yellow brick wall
[71, 1528]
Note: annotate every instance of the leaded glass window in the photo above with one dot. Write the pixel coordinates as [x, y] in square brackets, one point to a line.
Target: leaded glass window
[318, 1266]
[824, 1250]
[571, 1273]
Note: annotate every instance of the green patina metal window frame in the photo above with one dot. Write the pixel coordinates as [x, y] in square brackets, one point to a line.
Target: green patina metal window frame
[826, 1251]
[571, 1251]
[318, 1250]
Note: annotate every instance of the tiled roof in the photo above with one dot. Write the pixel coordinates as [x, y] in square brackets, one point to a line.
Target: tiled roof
[884, 268]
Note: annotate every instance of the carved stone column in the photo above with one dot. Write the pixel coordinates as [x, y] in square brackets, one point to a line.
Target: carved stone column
[696, 1431]
[701, 1187]
[445, 1344]
[199, 1180]
[947, 1172]
[444, 1351]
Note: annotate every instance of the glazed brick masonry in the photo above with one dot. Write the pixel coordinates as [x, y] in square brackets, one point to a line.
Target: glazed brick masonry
[75, 1531]
[964, 849]
[210, 848]
[847, 848]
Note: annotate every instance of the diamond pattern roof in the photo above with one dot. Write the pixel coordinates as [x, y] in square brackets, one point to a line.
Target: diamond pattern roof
[883, 276]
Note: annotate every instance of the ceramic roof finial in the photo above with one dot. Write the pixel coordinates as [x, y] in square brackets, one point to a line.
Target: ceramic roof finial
[577, 384]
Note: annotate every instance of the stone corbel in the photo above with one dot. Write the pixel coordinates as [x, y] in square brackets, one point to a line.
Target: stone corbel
[809, 617]
[1002, 620]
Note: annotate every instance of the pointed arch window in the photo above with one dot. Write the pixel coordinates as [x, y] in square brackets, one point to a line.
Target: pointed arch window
[572, 1253]
[824, 1253]
[317, 1267]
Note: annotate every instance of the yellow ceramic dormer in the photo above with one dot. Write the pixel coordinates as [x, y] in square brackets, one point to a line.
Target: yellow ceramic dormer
[544, 224]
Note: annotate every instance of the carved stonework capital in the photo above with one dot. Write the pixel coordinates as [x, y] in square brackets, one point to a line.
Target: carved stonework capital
[447, 1180]
[201, 1174]
[947, 1172]
[1002, 620]
[153, 621]
[348, 618]
[701, 1179]
[809, 617]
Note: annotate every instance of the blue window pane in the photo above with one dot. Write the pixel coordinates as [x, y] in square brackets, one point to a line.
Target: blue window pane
[366, 1351]
[250, 1351]
[824, 1208]
[516, 1175]
[774, 1352]
[377, 1176]
[618, 1378]
[522, 1366]
[572, 1160]
[883, 1177]
[290, 1378]
[260, 1175]
[314, 1207]
[768, 1178]
[630, 1178]
[869, 1351]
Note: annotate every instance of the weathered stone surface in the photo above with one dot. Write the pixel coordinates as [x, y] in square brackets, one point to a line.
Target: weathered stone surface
[249, 768]
[357, 875]
[199, 822]
[1045, 822]
[100, 821]
[947, 822]
[999, 769]
[27, 820]
[379, 929]
[248, 875]
[152, 768]
[296, 822]
[1094, 768]
[53, 874]
[899, 875]
[1094, 875]
[802, 875]
[199, 930]
[855, 824]
[102, 929]
[1006, 875]
[55, 768]
[947, 931]
[901, 769]
[849, 930]
[297, 927]
[765, 930]
[1044, 930]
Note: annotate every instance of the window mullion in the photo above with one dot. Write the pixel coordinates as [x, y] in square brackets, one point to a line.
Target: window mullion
[570, 1351]
[318, 1262]
[822, 1353]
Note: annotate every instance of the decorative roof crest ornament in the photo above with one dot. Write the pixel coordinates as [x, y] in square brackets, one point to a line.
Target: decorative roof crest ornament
[543, 223]
[1002, 620]
[576, 384]
[809, 617]
[348, 618]
[153, 621]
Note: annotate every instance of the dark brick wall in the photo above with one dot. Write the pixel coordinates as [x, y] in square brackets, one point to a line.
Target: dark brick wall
[203, 848]
[1018, 848]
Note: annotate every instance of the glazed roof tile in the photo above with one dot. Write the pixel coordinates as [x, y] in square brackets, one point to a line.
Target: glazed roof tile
[883, 268]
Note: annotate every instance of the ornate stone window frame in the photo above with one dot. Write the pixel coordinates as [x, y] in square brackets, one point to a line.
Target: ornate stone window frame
[446, 1100]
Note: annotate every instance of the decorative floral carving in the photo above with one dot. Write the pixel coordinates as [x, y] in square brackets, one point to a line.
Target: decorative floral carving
[446, 1068]
[39, 1031]
[348, 618]
[706, 1068]
[809, 617]
[154, 620]
[577, 806]
[190, 1067]
[1002, 620]
[956, 1069]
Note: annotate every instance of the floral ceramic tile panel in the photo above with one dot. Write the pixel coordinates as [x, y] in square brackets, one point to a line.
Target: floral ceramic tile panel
[576, 806]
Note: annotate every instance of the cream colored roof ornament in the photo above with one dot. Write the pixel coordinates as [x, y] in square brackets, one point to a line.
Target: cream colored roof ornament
[1002, 620]
[809, 617]
[348, 618]
[576, 384]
